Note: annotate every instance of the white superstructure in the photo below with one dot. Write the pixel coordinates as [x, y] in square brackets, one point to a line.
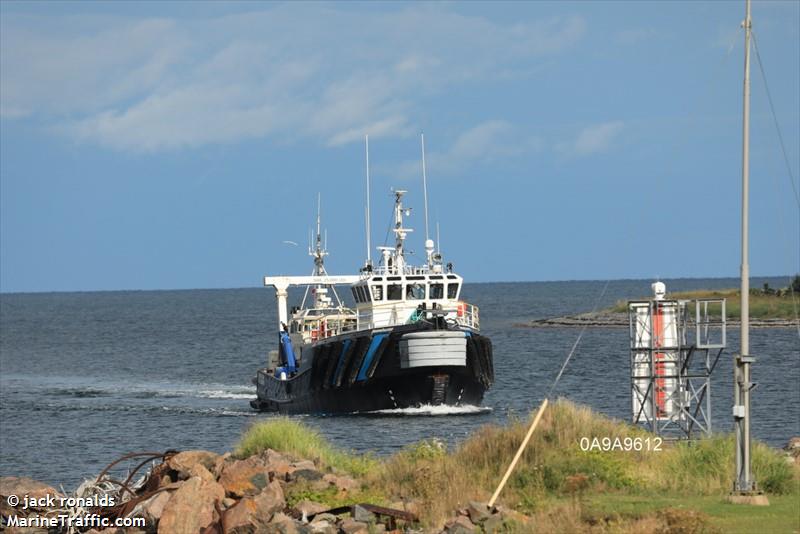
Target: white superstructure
[393, 293]
[397, 293]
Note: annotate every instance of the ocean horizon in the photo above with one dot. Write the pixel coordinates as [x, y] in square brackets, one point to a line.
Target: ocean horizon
[110, 372]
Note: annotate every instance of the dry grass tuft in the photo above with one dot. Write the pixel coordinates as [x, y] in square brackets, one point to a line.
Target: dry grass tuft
[553, 476]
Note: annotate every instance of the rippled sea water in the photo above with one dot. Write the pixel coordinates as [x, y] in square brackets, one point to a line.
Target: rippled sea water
[88, 377]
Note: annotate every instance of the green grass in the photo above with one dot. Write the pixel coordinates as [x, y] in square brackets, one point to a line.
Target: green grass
[289, 436]
[331, 497]
[761, 306]
[564, 488]
[780, 516]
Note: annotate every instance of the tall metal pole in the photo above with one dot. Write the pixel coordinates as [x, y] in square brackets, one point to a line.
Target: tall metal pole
[369, 245]
[424, 184]
[744, 481]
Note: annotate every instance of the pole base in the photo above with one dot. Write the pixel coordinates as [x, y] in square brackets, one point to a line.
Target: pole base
[748, 497]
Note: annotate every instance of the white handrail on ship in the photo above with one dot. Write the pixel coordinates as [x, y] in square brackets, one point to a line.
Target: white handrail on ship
[470, 318]
[327, 326]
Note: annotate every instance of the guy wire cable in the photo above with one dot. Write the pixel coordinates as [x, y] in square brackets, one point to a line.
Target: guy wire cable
[542, 407]
[775, 120]
[781, 213]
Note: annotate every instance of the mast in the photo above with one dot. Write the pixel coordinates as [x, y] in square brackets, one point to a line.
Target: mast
[369, 246]
[428, 242]
[424, 184]
[742, 385]
[399, 232]
[319, 252]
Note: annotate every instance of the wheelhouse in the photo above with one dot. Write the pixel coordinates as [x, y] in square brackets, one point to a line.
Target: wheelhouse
[428, 288]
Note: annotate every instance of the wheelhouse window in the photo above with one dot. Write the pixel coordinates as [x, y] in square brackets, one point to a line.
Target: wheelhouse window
[377, 292]
[452, 291]
[415, 292]
[355, 293]
[437, 291]
[394, 292]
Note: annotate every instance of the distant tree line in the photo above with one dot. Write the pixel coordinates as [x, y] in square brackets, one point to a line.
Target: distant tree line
[794, 287]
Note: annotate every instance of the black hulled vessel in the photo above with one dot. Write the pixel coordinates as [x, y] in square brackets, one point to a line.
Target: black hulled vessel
[408, 342]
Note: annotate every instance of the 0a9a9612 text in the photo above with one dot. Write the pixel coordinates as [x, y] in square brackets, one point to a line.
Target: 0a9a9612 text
[627, 444]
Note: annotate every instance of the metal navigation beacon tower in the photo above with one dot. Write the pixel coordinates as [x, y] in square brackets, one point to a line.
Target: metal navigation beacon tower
[674, 347]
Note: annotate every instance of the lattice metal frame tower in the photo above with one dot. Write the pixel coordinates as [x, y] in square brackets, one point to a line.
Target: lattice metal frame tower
[674, 347]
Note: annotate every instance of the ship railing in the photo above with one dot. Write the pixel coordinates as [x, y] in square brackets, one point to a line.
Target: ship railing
[464, 313]
[468, 315]
[325, 327]
[406, 270]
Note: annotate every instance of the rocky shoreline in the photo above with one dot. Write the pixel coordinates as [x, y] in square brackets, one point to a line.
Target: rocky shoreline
[605, 319]
[203, 492]
[421, 490]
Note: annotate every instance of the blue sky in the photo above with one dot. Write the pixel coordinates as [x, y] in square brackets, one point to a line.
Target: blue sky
[177, 145]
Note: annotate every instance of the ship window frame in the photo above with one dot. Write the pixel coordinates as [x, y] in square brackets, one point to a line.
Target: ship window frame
[354, 290]
[394, 287]
[452, 277]
[440, 286]
[412, 291]
[377, 292]
[436, 277]
[453, 294]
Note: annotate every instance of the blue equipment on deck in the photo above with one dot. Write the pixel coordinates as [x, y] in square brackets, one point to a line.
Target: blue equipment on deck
[287, 355]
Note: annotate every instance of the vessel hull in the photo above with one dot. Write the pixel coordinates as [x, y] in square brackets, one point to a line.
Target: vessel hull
[367, 371]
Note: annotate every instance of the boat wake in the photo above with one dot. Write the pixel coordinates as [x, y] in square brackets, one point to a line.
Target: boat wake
[431, 410]
[152, 409]
[142, 390]
[228, 393]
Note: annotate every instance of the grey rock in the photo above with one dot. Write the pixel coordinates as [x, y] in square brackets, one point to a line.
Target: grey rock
[152, 508]
[477, 511]
[362, 514]
[323, 527]
[330, 518]
[351, 526]
[305, 474]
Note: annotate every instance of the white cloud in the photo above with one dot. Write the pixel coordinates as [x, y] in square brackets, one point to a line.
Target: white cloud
[47, 72]
[593, 139]
[483, 144]
[291, 70]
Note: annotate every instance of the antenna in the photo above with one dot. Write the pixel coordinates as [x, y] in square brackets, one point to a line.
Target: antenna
[319, 209]
[424, 183]
[369, 247]
[438, 241]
